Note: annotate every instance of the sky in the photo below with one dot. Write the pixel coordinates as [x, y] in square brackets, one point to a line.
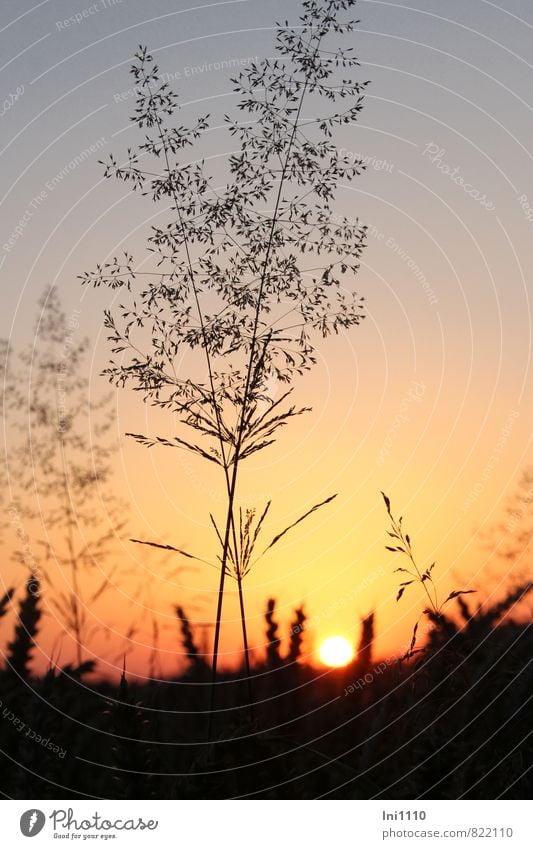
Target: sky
[428, 400]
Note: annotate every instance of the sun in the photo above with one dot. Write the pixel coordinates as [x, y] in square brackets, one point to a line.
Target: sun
[336, 651]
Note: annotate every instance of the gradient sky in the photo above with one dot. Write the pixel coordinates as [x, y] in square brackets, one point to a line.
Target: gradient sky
[429, 400]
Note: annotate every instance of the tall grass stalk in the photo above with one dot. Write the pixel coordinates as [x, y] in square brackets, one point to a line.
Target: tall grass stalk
[246, 273]
[401, 543]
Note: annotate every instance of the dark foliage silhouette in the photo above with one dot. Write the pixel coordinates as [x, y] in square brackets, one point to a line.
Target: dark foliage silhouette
[455, 722]
[20, 650]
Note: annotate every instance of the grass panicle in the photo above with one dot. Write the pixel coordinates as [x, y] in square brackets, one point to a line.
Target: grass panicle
[226, 258]
[400, 542]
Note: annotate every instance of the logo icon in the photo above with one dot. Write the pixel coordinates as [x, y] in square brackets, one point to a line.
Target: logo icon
[32, 822]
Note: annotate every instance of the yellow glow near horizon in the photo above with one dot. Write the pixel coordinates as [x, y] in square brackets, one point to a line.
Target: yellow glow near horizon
[336, 651]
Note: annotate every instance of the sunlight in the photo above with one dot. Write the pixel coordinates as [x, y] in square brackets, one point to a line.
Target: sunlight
[336, 651]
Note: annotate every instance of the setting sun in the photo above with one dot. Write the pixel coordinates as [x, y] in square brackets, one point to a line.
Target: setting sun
[336, 651]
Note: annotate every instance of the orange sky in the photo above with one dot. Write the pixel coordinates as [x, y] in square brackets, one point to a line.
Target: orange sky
[429, 400]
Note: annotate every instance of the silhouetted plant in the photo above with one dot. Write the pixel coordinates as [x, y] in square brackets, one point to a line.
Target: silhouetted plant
[402, 544]
[241, 557]
[511, 535]
[487, 616]
[273, 641]
[4, 602]
[363, 656]
[296, 635]
[75, 673]
[230, 278]
[194, 656]
[457, 724]
[131, 755]
[59, 464]
[20, 649]
[36, 704]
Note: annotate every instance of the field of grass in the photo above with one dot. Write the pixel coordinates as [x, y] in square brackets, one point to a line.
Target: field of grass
[451, 721]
